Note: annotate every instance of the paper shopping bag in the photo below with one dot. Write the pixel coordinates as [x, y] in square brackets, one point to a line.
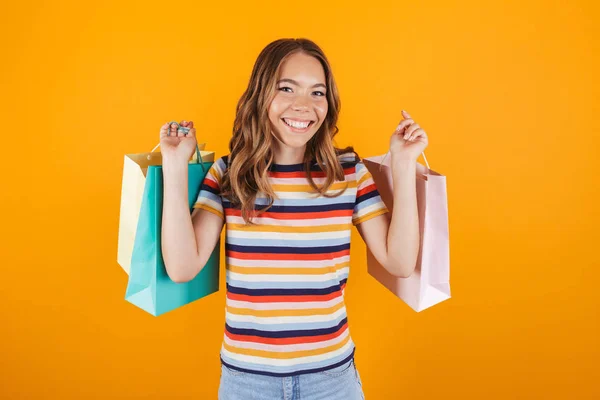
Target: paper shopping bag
[429, 284]
[139, 252]
[135, 167]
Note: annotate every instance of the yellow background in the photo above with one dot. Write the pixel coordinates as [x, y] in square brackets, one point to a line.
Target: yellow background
[508, 92]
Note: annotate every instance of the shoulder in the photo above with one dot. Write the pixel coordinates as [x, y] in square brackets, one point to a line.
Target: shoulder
[354, 165]
[219, 167]
[222, 161]
[348, 159]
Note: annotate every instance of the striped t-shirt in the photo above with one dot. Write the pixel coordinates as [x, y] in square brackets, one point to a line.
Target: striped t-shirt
[285, 311]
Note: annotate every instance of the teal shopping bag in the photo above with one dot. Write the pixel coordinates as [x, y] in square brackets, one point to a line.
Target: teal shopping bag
[149, 287]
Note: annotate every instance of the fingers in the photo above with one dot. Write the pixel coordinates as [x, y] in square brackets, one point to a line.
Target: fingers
[181, 132]
[417, 133]
[403, 124]
[190, 126]
[409, 131]
[178, 130]
[184, 128]
[164, 130]
[173, 128]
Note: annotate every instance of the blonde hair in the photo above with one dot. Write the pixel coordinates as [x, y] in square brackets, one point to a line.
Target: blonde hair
[251, 145]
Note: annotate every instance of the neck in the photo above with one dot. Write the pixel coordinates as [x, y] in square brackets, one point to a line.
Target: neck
[288, 155]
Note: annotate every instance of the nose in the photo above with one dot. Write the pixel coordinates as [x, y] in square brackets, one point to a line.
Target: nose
[300, 103]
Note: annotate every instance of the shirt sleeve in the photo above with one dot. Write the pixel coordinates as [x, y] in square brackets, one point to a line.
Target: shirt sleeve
[209, 198]
[368, 202]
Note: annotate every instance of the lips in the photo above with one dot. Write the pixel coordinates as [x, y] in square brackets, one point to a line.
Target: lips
[295, 128]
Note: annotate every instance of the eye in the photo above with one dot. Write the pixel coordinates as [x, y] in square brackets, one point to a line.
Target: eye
[322, 94]
[285, 87]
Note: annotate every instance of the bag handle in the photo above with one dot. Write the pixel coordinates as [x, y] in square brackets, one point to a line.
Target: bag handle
[386, 154]
[185, 132]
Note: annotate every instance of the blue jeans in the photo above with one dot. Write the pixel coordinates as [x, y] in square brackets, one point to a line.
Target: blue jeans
[339, 383]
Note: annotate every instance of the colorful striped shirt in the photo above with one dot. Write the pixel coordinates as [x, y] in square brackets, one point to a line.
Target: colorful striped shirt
[286, 275]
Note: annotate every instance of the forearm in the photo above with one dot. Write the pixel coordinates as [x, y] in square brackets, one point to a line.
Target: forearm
[178, 242]
[403, 232]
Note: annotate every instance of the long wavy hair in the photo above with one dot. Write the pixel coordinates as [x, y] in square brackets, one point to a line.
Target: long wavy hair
[251, 146]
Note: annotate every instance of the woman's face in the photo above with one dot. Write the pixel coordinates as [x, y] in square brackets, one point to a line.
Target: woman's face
[300, 105]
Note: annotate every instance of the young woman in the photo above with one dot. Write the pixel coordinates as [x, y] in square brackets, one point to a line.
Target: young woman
[289, 199]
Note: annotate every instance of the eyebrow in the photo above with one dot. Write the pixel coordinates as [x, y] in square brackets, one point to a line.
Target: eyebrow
[296, 83]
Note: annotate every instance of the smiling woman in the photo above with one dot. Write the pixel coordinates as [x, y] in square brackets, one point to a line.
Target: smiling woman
[288, 198]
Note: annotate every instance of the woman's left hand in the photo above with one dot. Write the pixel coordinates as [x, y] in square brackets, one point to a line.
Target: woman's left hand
[409, 140]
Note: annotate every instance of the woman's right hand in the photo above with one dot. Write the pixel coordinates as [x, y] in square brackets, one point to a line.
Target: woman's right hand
[177, 146]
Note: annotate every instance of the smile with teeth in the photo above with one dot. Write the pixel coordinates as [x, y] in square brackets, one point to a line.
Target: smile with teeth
[296, 124]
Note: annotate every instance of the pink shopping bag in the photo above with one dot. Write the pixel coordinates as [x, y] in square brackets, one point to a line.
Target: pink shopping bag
[429, 284]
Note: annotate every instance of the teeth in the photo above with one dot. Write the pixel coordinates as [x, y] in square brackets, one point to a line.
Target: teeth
[299, 125]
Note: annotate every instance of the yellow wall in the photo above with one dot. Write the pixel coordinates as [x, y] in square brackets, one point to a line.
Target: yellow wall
[506, 91]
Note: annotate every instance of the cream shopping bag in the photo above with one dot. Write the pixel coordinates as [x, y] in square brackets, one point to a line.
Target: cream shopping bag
[135, 167]
[429, 284]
